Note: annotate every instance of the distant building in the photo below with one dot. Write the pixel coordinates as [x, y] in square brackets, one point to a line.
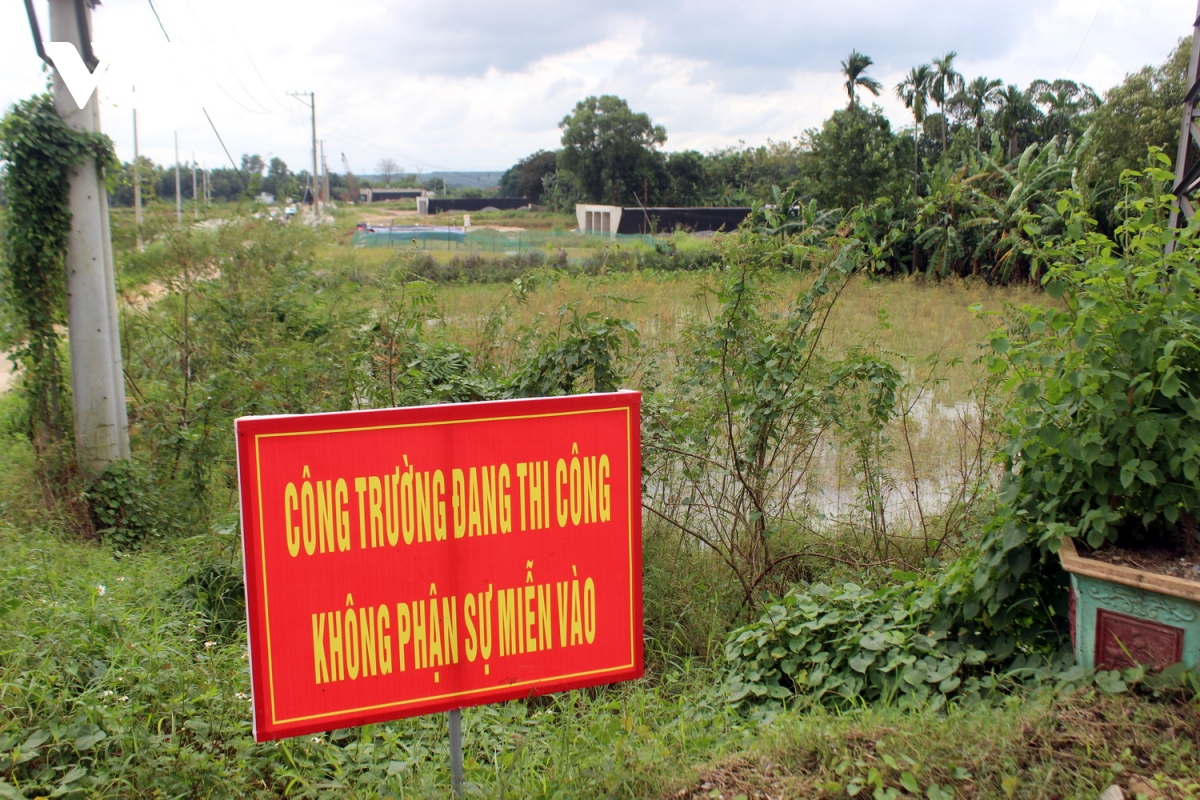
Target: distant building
[461, 204]
[372, 195]
[598, 219]
[264, 197]
[609, 220]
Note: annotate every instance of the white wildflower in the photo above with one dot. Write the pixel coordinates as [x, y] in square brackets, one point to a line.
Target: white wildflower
[100, 590]
[209, 644]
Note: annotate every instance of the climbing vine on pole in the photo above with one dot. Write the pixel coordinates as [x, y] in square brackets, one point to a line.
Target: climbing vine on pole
[38, 148]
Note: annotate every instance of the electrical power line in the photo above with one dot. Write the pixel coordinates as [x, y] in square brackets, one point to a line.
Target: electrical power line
[270, 91]
[249, 93]
[1085, 36]
[202, 108]
[385, 151]
[421, 164]
[157, 17]
[223, 147]
[238, 103]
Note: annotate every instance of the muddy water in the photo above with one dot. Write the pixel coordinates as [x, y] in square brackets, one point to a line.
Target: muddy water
[936, 466]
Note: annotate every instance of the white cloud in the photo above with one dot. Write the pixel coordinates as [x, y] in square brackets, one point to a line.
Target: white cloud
[476, 85]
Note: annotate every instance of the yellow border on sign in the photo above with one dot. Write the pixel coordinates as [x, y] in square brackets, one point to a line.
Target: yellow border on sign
[468, 693]
[400, 703]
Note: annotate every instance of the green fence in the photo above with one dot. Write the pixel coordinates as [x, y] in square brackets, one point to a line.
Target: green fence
[488, 240]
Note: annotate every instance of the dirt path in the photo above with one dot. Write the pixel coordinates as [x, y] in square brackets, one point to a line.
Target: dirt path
[137, 300]
[6, 372]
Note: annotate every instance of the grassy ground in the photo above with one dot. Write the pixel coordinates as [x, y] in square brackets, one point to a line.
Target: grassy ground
[1040, 745]
[125, 674]
[111, 685]
[921, 321]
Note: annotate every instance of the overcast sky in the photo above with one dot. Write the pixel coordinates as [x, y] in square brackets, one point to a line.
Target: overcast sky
[476, 85]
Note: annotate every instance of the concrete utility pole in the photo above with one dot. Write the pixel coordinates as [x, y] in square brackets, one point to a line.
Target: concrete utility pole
[312, 105]
[97, 376]
[195, 197]
[137, 185]
[178, 189]
[324, 175]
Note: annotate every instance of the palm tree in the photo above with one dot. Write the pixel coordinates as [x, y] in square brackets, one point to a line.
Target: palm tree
[913, 91]
[945, 83]
[1063, 103]
[977, 96]
[853, 68]
[1014, 111]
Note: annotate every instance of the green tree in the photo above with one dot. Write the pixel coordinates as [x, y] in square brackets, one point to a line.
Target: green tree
[609, 150]
[945, 82]
[739, 174]
[1144, 110]
[253, 165]
[854, 68]
[1015, 116]
[120, 182]
[689, 178]
[976, 98]
[279, 180]
[387, 168]
[526, 178]
[1066, 106]
[226, 184]
[854, 158]
[913, 91]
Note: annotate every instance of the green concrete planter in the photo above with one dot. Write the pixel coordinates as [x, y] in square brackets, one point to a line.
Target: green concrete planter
[1121, 616]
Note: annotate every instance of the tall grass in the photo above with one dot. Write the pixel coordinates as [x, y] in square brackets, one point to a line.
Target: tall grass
[919, 319]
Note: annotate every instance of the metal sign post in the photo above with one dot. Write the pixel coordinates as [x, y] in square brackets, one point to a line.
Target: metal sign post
[456, 759]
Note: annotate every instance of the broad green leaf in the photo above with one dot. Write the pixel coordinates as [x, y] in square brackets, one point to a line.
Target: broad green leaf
[862, 660]
[873, 641]
[1148, 429]
[88, 738]
[75, 773]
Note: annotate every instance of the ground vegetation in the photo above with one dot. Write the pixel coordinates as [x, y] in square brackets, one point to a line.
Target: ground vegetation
[844, 594]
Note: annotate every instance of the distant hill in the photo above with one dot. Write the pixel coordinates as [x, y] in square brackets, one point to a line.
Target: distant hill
[464, 180]
[454, 180]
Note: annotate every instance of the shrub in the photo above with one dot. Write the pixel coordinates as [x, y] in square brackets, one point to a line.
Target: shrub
[123, 505]
[847, 646]
[1103, 433]
[218, 592]
[729, 442]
